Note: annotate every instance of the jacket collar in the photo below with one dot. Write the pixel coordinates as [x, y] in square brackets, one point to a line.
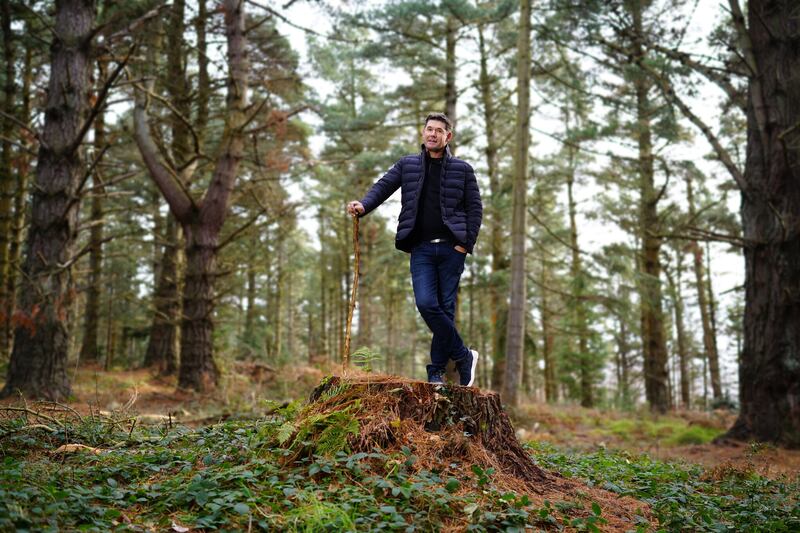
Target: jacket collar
[447, 154]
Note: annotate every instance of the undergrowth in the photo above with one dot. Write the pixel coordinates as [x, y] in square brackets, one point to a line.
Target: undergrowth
[289, 473]
[684, 497]
[239, 475]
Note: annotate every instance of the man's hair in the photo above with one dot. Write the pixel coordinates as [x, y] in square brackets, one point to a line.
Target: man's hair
[441, 117]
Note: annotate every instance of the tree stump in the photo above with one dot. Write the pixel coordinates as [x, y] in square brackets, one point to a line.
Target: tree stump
[453, 429]
[468, 422]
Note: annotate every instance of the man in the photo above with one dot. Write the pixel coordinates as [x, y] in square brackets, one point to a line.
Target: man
[440, 217]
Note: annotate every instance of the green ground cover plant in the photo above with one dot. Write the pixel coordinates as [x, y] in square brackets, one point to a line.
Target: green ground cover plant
[684, 497]
[284, 473]
[238, 475]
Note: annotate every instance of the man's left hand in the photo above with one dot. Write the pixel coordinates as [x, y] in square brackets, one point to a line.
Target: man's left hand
[460, 248]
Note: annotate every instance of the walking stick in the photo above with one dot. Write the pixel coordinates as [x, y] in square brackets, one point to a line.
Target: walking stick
[346, 354]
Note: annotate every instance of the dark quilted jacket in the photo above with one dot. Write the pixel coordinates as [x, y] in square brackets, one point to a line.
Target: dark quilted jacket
[461, 201]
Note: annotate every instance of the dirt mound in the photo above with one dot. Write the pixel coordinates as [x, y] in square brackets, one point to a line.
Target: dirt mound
[452, 429]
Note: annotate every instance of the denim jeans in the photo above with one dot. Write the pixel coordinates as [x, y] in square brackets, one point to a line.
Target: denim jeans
[436, 269]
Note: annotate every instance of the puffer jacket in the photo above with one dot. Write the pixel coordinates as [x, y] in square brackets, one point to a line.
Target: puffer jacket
[462, 209]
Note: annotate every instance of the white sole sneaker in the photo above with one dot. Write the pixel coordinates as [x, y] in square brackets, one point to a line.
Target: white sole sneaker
[474, 366]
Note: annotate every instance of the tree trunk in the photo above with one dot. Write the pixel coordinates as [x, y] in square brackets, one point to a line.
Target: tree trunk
[517, 305]
[20, 206]
[91, 325]
[365, 283]
[277, 303]
[7, 174]
[548, 338]
[497, 304]
[203, 220]
[450, 90]
[162, 346]
[203, 79]
[769, 374]
[198, 371]
[324, 330]
[680, 331]
[709, 341]
[38, 361]
[249, 334]
[712, 311]
[479, 416]
[578, 306]
[161, 353]
[653, 337]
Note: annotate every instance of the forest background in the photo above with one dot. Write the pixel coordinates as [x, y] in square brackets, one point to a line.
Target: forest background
[175, 175]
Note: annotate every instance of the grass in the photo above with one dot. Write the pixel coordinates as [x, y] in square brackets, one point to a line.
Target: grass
[666, 430]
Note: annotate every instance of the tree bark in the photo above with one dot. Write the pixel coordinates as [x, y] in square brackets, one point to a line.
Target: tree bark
[479, 416]
[20, 205]
[450, 90]
[162, 347]
[548, 337]
[709, 340]
[653, 337]
[498, 309]
[203, 220]
[162, 353]
[91, 325]
[38, 361]
[7, 174]
[203, 79]
[578, 306]
[517, 305]
[680, 331]
[769, 374]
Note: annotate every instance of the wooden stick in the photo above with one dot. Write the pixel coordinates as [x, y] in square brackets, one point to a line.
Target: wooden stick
[346, 354]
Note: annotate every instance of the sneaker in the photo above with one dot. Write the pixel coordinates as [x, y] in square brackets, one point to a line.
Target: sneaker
[466, 368]
[436, 376]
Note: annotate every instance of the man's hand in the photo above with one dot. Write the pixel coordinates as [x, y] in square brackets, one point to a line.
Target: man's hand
[460, 248]
[355, 208]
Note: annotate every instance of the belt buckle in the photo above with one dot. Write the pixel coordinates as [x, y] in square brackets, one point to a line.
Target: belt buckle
[437, 241]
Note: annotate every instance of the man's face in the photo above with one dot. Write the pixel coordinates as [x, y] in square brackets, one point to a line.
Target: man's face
[435, 135]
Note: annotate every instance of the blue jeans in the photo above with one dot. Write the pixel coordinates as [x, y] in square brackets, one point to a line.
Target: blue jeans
[436, 269]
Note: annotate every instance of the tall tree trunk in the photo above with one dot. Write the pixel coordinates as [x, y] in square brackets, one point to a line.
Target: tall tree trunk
[20, 205]
[277, 304]
[162, 347]
[680, 330]
[324, 339]
[653, 337]
[38, 361]
[450, 89]
[202, 220]
[91, 315]
[365, 283]
[203, 79]
[709, 341]
[162, 353]
[517, 307]
[7, 174]
[712, 310]
[578, 305]
[497, 303]
[198, 370]
[769, 374]
[249, 334]
[548, 337]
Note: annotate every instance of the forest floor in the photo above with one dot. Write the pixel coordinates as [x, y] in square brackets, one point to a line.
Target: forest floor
[141, 456]
[683, 436]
